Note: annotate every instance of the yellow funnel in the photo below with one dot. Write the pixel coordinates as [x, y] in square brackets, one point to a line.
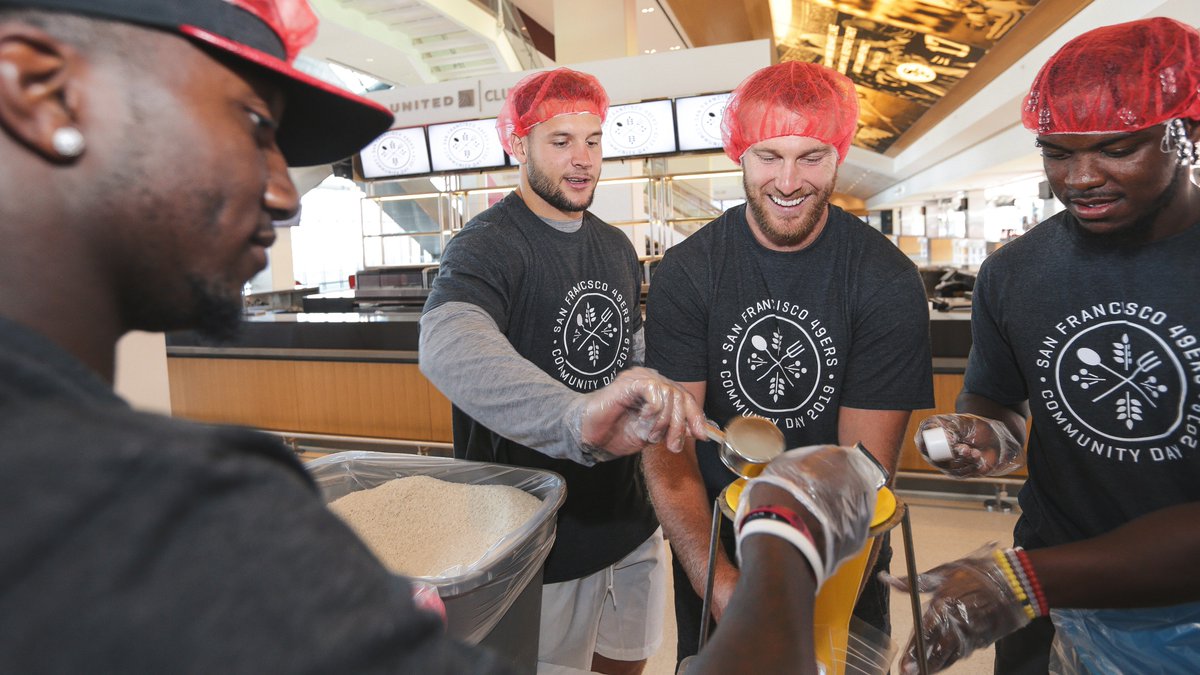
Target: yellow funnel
[839, 593]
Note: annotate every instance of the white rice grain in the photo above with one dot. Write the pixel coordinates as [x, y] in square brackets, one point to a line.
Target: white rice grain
[425, 527]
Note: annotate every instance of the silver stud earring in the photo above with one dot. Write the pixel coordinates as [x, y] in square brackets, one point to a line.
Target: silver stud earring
[68, 142]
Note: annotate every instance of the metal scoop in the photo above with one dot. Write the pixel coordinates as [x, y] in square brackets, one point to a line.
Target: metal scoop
[747, 445]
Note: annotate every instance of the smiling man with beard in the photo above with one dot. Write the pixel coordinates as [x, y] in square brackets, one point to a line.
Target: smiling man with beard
[1090, 323]
[531, 330]
[787, 308]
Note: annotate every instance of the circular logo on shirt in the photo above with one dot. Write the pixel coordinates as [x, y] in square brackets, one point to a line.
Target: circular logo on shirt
[1122, 382]
[592, 342]
[779, 364]
[1116, 381]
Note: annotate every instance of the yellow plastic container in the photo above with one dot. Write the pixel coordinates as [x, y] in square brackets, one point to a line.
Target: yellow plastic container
[835, 601]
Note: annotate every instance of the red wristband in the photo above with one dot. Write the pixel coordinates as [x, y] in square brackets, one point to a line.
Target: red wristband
[1033, 580]
[780, 513]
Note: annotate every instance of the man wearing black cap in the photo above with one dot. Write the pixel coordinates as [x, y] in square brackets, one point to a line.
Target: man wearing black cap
[143, 155]
[145, 148]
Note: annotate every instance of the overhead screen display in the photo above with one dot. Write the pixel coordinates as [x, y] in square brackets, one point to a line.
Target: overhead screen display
[698, 119]
[399, 152]
[465, 145]
[639, 129]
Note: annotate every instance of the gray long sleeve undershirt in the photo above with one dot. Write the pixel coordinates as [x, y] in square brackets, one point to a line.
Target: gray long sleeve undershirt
[465, 355]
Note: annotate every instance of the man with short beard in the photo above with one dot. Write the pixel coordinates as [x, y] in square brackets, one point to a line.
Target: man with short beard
[1092, 320]
[537, 300]
[787, 308]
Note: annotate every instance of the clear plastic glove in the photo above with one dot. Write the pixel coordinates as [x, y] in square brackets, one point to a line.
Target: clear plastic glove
[836, 486]
[979, 446]
[638, 410]
[972, 606]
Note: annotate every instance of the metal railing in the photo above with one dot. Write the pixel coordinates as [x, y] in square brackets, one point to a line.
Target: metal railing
[512, 26]
[307, 444]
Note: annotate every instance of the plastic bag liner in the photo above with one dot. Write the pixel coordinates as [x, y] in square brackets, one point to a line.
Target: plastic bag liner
[869, 651]
[478, 597]
[1122, 641]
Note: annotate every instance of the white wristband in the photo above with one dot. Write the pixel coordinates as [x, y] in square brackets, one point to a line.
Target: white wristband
[787, 533]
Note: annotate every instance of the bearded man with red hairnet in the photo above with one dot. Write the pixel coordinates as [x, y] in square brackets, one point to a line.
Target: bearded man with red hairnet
[1091, 320]
[787, 308]
[531, 330]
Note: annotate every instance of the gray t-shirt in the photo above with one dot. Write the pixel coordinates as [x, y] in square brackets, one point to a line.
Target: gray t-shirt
[1105, 346]
[567, 302]
[790, 336]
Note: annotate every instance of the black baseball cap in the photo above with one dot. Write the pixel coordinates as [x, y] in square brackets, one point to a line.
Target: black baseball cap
[322, 123]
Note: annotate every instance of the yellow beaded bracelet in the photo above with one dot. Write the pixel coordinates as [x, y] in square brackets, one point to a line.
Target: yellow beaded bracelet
[1014, 583]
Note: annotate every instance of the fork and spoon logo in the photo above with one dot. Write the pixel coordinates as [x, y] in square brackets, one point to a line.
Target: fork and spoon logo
[1125, 382]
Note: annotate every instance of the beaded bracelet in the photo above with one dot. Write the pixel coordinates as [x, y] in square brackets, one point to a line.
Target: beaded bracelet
[1023, 557]
[1015, 563]
[1013, 582]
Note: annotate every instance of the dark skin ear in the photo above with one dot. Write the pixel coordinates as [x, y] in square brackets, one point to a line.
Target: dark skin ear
[37, 95]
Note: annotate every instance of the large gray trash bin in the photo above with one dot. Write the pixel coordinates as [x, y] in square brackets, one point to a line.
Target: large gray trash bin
[497, 601]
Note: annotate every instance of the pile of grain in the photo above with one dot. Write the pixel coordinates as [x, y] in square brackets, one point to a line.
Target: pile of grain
[422, 527]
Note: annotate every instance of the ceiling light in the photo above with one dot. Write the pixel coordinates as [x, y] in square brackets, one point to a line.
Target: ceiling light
[647, 10]
[676, 48]
[911, 71]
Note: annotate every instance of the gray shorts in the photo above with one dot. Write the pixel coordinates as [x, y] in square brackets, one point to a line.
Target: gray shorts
[616, 612]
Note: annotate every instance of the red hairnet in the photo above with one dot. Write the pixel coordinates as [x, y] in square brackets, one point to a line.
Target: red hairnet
[1118, 78]
[791, 99]
[540, 96]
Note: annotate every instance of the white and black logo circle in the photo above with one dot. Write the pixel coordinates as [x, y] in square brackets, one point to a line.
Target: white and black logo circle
[1122, 382]
[594, 335]
[631, 130]
[393, 152]
[708, 120]
[777, 364]
[465, 145]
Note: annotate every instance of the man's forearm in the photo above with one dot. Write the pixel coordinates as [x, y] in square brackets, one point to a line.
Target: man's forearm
[683, 509]
[1148, 562]
[464, 355]
[880, 431]
[1012, 417]
[768, 625]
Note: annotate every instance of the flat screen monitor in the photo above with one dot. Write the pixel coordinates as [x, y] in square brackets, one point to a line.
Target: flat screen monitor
[639, 129]
[399, 152]
[698, 119]
[459, 146]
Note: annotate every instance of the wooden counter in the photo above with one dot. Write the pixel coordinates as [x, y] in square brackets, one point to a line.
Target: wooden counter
[357, 375]
[336, 374]
[339, 398]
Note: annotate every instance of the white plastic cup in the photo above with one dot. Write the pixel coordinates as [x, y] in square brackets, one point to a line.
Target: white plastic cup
[937, 444]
